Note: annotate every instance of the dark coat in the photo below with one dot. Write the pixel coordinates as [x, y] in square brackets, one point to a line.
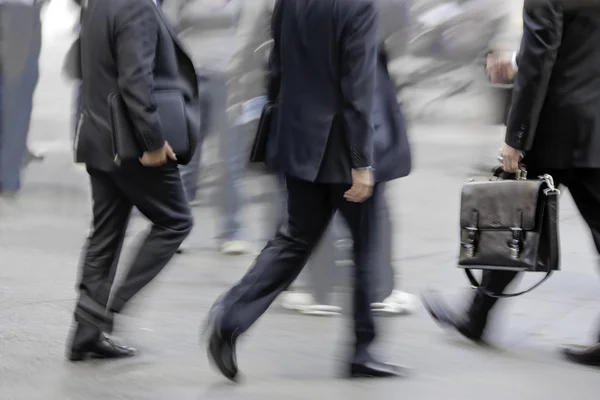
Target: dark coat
[127, 47]
[555, 113]
[337, 108]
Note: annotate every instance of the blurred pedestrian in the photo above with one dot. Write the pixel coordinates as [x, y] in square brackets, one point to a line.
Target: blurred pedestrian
[324, 82]
[20, 46]
[208, 28]
[126, 47]
[553, 128]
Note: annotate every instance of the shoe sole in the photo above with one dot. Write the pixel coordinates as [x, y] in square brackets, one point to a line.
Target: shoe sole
[88, 356]
[571, 357]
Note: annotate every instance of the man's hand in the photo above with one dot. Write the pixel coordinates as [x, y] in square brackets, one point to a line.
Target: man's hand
[499, 70]
[362, 185]
[511, 158]
[158, 157]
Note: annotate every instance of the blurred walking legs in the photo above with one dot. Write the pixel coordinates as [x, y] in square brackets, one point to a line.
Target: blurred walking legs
[18, 80]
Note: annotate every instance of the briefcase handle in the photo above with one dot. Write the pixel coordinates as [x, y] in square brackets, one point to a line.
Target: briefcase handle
[552, 192]
[520, 175]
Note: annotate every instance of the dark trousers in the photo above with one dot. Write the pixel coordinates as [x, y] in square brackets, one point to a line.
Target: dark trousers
[158, 194]
[324, 275]
[584, 186]
[310, 208]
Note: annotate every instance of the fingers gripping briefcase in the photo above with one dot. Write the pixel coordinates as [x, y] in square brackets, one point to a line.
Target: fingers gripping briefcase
[509, 225]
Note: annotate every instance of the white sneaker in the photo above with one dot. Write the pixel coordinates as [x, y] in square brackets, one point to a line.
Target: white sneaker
[397, 303]
[235, 247]
[304, 303]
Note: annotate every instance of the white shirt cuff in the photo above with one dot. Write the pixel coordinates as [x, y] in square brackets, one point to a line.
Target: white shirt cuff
[514, 62]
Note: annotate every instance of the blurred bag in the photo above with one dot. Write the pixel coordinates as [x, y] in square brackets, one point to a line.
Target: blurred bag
[509, 225]
[258, 153]
[72, 62]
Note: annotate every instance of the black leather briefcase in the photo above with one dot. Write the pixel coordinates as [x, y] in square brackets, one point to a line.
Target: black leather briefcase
[258, 152]
[509, 225]
[170, 107]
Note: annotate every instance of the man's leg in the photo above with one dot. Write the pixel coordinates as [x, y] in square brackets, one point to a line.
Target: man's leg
[362, 221]
[111, 212]
[17, 103]
[190, 173]
[158, 193]
[584, 186]
[233, 141]
[309, 210]
[388, 298]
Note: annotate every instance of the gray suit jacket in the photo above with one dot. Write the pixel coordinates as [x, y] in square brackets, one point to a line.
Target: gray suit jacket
[207, 29]
[248, 67]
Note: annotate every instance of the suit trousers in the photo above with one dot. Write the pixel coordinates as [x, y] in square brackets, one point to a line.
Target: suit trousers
[584, 186]
[322, 273]
[159, 195]
[310, 208]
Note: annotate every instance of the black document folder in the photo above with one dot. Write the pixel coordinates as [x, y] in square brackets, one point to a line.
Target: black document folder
[171, 111]
[258, 152]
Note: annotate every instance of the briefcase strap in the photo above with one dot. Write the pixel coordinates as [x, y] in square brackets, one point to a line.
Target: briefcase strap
[477, 286]
[552, 198]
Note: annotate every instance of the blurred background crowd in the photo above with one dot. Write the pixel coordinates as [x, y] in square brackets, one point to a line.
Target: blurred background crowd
[438, 63]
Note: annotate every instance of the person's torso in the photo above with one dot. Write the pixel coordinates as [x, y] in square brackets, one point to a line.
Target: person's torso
[310, 96]
[311, 123]
[568, 131]
[576, 73]
[207, 28]
[100, 76]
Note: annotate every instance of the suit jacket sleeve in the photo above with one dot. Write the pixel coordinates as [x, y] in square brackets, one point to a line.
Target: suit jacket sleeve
[358, 64]
[542, 35]
[274, 82]
[137, 29]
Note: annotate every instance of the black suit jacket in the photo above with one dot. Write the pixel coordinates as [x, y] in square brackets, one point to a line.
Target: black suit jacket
[323, 69]
[555, 113]
[127, 47]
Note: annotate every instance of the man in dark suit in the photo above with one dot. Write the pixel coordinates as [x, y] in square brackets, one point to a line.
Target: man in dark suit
[326, 84]
[554, 127]
[127, 47]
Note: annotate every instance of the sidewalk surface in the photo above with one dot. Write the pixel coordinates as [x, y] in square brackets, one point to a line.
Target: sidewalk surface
[285, 356]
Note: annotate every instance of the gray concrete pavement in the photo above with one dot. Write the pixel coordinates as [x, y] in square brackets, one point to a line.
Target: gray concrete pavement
[284, 356]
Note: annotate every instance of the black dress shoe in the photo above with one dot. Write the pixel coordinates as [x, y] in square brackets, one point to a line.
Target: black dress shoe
[104, 348]
[221, 348]
[444, 316]
[376, 369]
[583, 354]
